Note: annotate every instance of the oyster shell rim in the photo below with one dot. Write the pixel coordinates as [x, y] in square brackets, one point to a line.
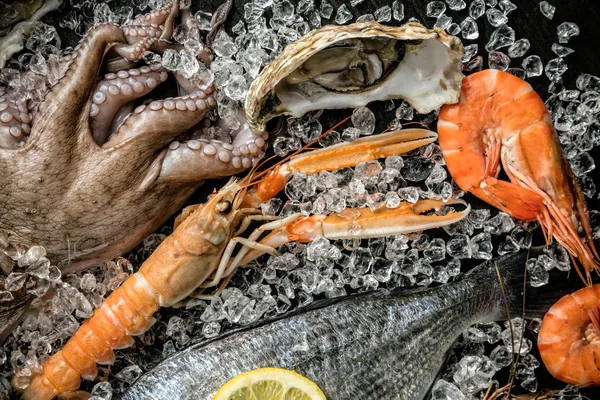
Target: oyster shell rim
[262, 88]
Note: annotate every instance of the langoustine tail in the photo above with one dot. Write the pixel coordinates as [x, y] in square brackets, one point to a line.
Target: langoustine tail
[126, 312]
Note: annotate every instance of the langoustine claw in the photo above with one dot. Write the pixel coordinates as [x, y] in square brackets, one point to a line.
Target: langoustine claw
[500, 120]
[200, 253]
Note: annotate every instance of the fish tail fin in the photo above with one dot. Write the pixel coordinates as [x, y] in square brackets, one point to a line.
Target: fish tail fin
[509, 278]
[524, 299]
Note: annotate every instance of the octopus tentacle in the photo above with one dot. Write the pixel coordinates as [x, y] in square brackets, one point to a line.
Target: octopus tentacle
[148, 32]
[15, 121]
[156, 17]
[136, 33]
[65, 101]
[199, 159]
[163, 120]
[133, 52]
[192, 31]
[218, 19]
[115, 91]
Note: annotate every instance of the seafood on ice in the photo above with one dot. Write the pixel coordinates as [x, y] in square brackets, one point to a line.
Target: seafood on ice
[353, 65]
[569, 338]
[200, 253]
[500, 120]
[381, 345]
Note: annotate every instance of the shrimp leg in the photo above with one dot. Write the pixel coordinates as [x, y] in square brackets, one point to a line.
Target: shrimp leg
[500, 116]
[569, 338]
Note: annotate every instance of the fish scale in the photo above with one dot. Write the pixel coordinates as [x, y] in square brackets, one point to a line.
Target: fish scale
[384, 345]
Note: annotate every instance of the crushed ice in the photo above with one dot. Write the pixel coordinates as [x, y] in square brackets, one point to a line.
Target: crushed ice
[323, 268]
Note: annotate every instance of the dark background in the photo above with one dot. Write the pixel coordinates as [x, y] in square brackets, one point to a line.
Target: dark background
[527, 21]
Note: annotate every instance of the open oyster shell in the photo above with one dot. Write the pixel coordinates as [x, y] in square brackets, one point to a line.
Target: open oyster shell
[352, 65]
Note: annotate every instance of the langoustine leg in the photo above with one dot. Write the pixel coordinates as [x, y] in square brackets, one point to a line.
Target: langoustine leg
[200, 250]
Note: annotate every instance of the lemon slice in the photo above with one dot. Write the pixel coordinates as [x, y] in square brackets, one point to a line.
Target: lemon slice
[270, 384]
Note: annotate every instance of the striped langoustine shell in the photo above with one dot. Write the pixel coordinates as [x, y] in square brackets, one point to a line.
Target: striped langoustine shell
[353, 65]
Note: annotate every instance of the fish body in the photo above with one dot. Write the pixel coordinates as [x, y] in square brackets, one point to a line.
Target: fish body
[384, 345]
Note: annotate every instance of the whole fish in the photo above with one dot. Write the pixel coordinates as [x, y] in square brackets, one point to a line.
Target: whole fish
[383, 345]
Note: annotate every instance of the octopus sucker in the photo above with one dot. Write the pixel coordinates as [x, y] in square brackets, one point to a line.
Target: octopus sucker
[114, 164]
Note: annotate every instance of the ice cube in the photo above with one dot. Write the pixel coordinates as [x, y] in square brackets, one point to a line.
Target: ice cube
[458, 246]
[481, 245]
[15, 281]
[456, 5]
[364, 119]
[555, 68]
[211, 329]
[417, 168]
[383, 14]
[176, 329]
[470, 30]
[561, 51]
[214, 311]
[501, 356]
[582, 164]
[398, 10]
[405, 111]
[443, 390]
[129, 374]
[313, 17]
[435, 9]
[283, 304]
[501, 37]
[102, 391]
[498, 60]
[284, 145]
[547, 9]
[519, 48]
[304, 5]
[508, 246]
[538, 275]
[283, 10]
[442, 22]
[453, 29]
[476, 9]
[343, 15]
[566, 31]
[326, 9]
[470, 52]
[533, 66]
[495, 17]
[475, 65]
[474, 373]
[499, 224]
[507, 6]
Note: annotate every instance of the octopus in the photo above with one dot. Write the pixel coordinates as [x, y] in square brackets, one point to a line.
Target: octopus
[89, 169]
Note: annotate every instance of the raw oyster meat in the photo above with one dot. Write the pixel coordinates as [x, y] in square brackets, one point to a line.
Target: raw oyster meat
[353, 65]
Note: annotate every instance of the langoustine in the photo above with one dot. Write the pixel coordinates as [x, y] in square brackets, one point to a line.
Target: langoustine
[199, 254]
[500, 120]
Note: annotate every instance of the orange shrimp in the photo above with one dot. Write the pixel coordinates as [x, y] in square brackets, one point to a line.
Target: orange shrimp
[199, 254]
[500, 118]
[182, 261]
[569, 338]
